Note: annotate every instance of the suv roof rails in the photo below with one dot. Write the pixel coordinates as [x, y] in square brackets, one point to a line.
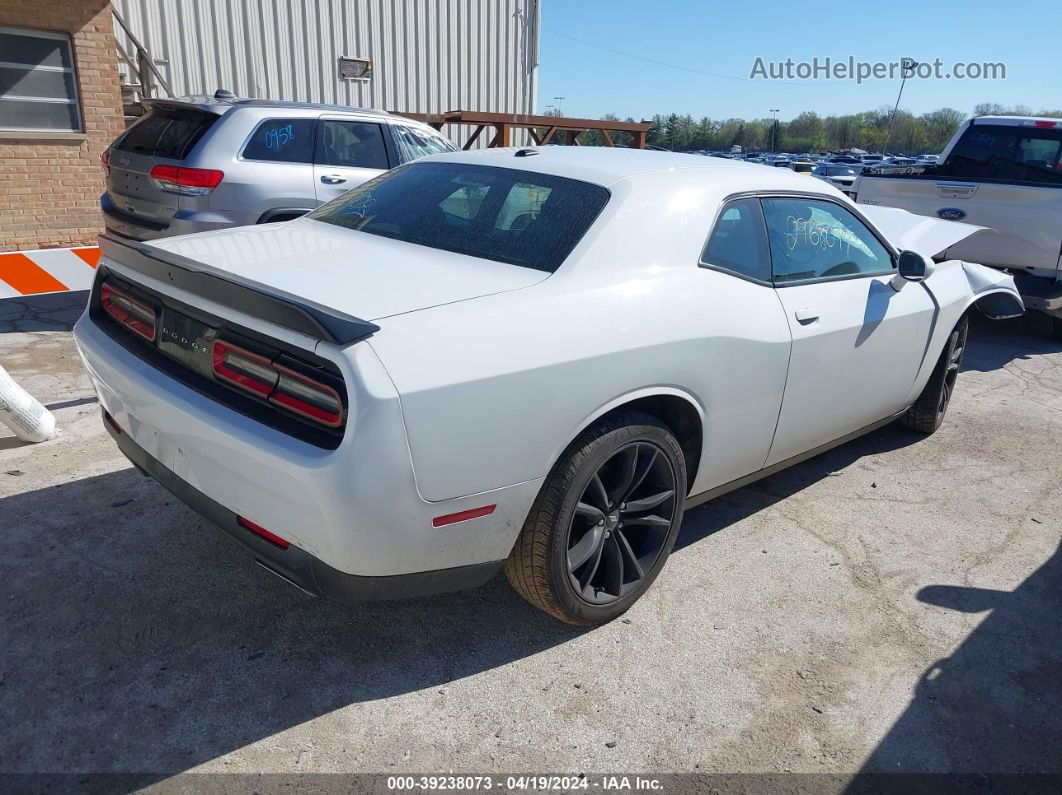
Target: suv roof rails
[226, 98]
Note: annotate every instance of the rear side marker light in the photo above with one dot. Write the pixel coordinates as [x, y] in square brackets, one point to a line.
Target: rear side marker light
[462, 516]
[261, 532]
[130, 312]
[278, 384]
[107, 418]
[186, 181]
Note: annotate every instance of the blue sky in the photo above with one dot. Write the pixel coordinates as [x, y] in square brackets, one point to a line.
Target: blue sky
[726, 38]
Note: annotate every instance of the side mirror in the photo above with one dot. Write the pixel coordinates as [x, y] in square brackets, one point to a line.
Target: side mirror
[912, 267]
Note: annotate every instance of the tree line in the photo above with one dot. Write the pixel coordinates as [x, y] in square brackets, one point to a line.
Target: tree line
[811, 132]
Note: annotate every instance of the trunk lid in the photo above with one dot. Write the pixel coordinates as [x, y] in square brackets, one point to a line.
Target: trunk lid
[362, 275]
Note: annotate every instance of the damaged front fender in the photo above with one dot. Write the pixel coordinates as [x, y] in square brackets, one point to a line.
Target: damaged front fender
[993, 291]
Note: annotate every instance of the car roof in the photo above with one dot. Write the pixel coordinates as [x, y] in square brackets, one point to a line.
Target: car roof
[605, 165]
[221, 105]
[1019, 121]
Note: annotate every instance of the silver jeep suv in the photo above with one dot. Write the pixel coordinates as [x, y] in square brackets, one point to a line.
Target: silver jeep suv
[200, 163]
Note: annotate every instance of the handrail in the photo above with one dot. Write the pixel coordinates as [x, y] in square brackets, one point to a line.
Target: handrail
[142, 54]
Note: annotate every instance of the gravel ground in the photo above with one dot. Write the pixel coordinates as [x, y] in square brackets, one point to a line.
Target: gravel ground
[895, 604]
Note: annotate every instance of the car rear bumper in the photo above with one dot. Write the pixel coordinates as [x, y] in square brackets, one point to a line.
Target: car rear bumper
[182, 222]
[296, 565]
[356, 508]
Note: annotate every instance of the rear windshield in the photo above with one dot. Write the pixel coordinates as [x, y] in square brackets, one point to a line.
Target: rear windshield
[170, 134]
[1021, 154]
[502, 214]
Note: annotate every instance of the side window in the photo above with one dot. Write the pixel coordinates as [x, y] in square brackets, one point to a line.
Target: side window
[282, 141]
[353, 144]
[737, 242]
[1005, 152]
[813, 239]
[414, 143]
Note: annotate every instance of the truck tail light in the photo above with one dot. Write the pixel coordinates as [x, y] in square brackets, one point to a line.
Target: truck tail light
[186, 181]
[278, 384]
[130, 312]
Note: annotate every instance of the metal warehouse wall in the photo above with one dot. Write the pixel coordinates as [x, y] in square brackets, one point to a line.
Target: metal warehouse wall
[428, 55]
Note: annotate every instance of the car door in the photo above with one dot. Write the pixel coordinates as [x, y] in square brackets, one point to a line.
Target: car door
[745, 337]
[349, 152]
[858, 342]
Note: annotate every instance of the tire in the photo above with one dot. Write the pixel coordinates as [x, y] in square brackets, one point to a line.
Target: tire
[927, 413]
[586, 512]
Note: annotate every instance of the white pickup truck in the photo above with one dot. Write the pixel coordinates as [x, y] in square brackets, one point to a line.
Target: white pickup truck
[999, 172]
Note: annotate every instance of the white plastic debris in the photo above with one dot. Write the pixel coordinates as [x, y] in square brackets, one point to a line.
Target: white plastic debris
[23, 413]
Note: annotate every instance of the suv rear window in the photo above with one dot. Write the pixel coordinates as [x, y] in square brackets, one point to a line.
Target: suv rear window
[169, 133]
[1021, 154]
[502, 214]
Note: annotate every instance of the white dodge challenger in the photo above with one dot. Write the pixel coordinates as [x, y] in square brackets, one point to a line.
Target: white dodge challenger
[528, 359]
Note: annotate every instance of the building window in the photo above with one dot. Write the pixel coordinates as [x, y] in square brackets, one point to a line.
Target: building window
[38, 85]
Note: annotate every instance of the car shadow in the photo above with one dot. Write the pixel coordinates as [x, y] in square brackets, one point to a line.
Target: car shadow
[734, 506]
[137, 637]
[48, 312]
[994, 705]
[996, 343]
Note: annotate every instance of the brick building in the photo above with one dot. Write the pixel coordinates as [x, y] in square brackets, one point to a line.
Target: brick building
[60, 106]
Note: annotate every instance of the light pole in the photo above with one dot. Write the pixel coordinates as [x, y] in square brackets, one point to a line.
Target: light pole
[907, 67]
[560, 105]
[774, 129]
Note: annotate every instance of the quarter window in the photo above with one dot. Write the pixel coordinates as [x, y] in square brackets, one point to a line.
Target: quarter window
[282, 141]
[812, 239]
[737, 242]
[352, 144]
[38, 86]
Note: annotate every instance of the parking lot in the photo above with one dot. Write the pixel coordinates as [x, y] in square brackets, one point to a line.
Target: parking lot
[893, 605]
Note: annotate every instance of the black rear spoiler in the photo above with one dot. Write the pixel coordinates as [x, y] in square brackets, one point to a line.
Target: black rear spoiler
[188, 275]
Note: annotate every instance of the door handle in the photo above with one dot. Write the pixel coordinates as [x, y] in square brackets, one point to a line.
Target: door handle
[333, 179]
[807, 315]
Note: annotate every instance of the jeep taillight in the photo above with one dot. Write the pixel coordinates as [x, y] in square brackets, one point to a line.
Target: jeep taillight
[132, 313]
[186, 181]
[280, 385]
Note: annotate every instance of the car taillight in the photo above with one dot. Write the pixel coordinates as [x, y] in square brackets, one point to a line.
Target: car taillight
[130, 312]
[186, 181]
[244, 369]
[278, 384]
[105, 161]
[307, 397]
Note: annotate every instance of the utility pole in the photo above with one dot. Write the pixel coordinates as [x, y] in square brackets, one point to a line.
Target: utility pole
[774, 129]
[907, 68]
[560, 105]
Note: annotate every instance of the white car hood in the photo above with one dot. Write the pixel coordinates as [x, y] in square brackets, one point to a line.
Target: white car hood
[365, 276]
[927, 236]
